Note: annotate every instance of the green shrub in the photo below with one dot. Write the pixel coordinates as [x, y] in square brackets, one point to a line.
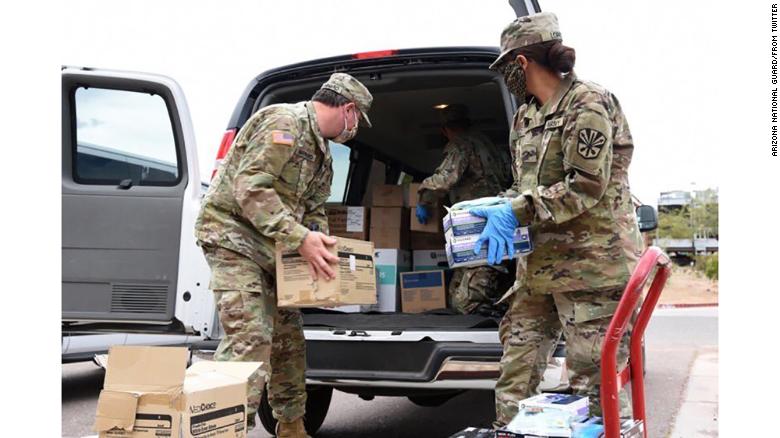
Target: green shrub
[708, 265]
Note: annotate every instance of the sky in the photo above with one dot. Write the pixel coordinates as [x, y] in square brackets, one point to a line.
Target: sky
[655, 62]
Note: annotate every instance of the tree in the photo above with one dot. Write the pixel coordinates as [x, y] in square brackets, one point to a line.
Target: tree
[675, 224]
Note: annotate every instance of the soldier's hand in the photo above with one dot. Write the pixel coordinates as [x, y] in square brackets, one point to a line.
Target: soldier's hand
[314, 250]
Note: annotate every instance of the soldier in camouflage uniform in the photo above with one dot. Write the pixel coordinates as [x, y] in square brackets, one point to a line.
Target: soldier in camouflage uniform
[272, 187]
[473, 167]
[571, 149]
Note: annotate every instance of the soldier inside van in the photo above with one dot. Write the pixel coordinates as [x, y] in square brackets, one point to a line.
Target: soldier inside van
[473, 167]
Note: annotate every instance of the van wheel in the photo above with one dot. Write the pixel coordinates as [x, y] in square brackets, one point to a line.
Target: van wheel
[317, 404]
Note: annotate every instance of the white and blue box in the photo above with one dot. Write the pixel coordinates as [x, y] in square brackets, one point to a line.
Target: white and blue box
[460, 249]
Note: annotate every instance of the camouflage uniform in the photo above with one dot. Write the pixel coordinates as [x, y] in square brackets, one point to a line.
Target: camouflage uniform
[271, 187]
[571, 158]
[473, 167]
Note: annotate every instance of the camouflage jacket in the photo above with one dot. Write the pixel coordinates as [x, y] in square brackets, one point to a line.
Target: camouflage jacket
[473, 167]
[271, 186]
[571, 159]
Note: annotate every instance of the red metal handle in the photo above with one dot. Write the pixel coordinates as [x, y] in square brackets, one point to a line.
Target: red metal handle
[611, 380]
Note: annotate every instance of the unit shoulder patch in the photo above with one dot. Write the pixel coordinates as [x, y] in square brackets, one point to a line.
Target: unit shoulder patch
[590, 142]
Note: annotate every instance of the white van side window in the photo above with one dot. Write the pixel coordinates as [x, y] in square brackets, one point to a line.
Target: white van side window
[123, 135]
[340, 154]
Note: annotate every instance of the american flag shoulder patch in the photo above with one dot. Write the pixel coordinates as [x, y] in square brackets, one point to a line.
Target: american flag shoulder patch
[282, 137]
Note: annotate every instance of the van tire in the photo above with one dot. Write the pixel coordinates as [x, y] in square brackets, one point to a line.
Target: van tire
[317, 404]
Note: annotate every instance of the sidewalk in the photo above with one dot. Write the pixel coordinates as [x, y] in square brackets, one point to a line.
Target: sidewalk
[698, 414]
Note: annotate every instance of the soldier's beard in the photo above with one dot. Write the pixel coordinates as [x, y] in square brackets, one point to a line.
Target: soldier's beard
[346, 134]
[514, 78]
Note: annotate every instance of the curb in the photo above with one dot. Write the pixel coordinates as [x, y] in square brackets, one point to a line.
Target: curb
[685, 306]
[697, 416]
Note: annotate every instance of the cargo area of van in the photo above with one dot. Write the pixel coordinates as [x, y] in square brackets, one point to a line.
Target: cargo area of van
[404, 146]
[431, 355]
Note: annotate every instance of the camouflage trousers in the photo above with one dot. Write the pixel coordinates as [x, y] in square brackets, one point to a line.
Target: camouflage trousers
[255, 330]
[471, 287]
[529, 333]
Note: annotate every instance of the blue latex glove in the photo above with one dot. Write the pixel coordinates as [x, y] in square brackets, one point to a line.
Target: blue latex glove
[422, 214]
[499, 231]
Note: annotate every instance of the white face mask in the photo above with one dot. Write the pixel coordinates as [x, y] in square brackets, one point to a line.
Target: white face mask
[347, 134]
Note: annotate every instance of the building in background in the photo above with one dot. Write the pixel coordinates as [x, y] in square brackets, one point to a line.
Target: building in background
[688, 223]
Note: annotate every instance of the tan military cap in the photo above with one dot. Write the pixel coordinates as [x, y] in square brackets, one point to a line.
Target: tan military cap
[353, 90]
[454, 113]
[524, 31]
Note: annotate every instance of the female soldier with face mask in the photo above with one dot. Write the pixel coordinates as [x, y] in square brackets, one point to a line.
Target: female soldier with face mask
[571, 149]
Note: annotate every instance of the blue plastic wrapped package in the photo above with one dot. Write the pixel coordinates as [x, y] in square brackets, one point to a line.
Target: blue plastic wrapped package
[592, 428]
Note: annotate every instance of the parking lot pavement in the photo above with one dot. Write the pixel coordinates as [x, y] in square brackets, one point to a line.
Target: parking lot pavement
[674, 339]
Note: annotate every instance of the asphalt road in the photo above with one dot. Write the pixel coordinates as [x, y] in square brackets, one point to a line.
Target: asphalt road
[673, 340]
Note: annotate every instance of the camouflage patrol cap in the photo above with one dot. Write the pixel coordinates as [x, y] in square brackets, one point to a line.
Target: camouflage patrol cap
[353, 90]
[454, 113]
[524, 31]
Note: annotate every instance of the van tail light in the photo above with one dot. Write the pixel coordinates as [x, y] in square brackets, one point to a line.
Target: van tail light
[375, 54]
[224, 147]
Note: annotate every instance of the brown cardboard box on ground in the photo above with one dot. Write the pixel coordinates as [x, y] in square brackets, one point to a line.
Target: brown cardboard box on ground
[355, 281]
[423, 290]
[434, 223]
[421, 240]
[147, 393]
[348, 221]
[390, 238]
[412, 196]
[388, 195]
[389, 217]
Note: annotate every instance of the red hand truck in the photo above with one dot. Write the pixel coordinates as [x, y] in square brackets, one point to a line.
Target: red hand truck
[611, 380]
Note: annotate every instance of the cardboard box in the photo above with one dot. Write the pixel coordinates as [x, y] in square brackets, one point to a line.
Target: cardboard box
[355, 281]
[429, 260]
[389, 264]
[423, 290]
[428, 241]
[348, 221]
[388, 195]
[395, 238]
[389, 217]
[412, 195]
[433, 225]
[460, 249]
[147, 393]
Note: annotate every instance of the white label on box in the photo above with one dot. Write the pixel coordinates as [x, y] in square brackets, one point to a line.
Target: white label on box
[354, 219]
[352, 266]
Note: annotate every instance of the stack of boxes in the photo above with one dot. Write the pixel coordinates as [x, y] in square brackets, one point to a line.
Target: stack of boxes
[401, 245]
[425, 288]
[390, 234]
[462, 231]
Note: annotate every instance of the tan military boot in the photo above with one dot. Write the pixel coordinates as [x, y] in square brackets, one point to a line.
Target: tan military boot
[294, 429]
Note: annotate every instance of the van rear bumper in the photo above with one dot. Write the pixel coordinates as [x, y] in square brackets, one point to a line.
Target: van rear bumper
[403, 364]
